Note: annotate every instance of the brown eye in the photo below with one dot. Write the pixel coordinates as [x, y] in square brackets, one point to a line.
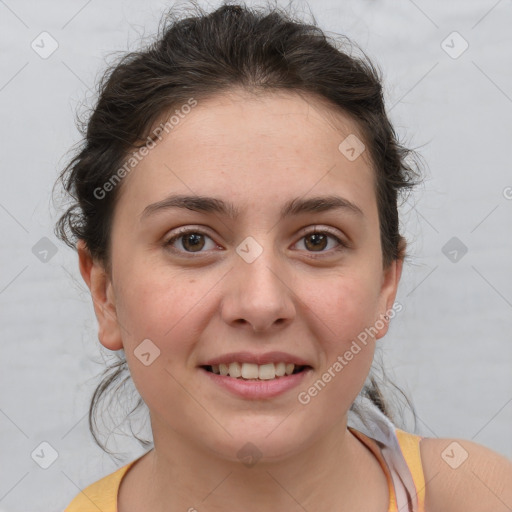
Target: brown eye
[192, 241]
[318, 241]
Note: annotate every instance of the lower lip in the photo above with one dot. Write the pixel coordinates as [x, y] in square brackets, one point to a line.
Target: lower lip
[257, 389]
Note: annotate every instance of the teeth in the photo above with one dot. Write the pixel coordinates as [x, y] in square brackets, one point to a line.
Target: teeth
[280, 369]
[249, 371]
[267, 371]
[235, 370]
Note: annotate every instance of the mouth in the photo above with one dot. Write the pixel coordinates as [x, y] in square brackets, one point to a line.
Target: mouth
[256, 372]
[253, 376]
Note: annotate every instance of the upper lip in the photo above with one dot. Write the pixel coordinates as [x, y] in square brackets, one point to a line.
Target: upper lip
[250, 357]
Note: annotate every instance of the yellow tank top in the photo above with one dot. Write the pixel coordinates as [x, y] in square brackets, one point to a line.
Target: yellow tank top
[102, 495]
[412, 497]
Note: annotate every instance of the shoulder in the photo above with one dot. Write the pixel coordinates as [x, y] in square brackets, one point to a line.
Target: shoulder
[100, 495]
[463, 476]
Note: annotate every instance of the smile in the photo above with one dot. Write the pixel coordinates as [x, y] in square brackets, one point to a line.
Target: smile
[251, 371]
[256, 382]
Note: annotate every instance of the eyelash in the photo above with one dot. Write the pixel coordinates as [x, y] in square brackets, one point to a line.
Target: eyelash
[168, 243]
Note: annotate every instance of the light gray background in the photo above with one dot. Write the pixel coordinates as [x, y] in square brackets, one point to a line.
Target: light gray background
[450, 348]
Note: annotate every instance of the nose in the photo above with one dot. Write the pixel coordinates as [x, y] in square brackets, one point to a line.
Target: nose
[259, 295]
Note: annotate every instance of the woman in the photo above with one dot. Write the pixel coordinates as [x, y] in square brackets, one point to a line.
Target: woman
[236, 223]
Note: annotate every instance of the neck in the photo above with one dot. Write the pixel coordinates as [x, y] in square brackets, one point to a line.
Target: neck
[331, 473]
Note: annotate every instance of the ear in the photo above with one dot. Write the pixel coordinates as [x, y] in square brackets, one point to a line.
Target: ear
[389, 287]
[102, 294]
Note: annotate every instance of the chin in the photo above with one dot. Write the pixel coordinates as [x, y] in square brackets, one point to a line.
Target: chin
[259, 441]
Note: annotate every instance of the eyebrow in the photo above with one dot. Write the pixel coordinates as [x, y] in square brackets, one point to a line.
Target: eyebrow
[295, 206]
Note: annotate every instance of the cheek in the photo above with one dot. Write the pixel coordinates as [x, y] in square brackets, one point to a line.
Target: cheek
[162, 318]
[157, 305]
[345, 316]
[346, 304]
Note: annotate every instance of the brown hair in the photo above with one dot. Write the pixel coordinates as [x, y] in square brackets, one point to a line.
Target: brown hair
[258, 49]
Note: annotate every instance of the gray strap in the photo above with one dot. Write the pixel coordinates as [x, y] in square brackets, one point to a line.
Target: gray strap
[376, 425]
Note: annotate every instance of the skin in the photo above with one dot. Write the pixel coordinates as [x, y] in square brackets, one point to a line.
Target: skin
[257, 152]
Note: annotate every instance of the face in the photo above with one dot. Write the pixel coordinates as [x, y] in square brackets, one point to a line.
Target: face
[273, 284]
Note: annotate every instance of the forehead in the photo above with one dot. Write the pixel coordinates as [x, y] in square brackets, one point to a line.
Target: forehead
[246, 145]
[259, 123]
